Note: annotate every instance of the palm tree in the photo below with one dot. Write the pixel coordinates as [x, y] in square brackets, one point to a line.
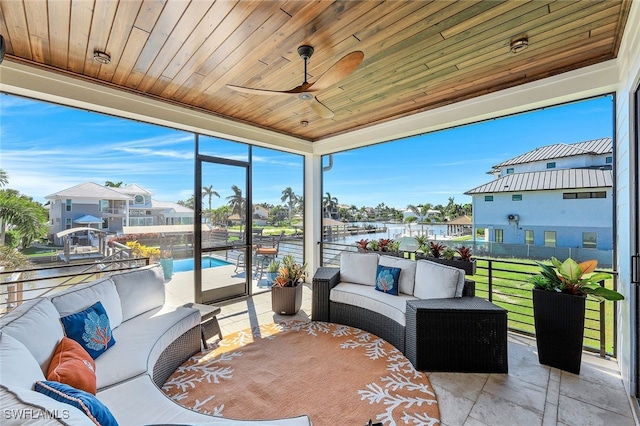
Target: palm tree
[237, 203]
[4, 178]
[110, 184]
[329, 204]
[291, 199]
[207, 191]
[422, 211]
[24, 215]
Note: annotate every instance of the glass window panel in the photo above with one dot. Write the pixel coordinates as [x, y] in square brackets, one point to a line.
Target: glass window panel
[223, 148]
[550, 238]
[498, 235]
[516, 197]
[589, 240]
[488, 197]
[528, 236]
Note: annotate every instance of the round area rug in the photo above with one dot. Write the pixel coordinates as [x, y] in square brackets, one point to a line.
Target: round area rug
[335, 374]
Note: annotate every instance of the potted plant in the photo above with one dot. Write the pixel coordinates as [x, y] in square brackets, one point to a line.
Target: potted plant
[272, 271]
[559, 299]
[286, 293]
[362, 245]
[439, 253]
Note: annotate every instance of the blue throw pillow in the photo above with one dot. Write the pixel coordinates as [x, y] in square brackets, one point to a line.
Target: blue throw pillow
[90, 328]
[387, 279]
[84, 401]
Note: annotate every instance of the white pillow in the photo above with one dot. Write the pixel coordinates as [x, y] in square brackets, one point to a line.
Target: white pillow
[436, 281]
[358, 268]
[140, 290]
[19, 368]
[407, 273]
[36, 324]
[82, 296]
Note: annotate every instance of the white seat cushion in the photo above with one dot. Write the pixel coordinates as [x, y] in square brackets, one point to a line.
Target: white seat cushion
[36, 324]
[368, 297]
[359, 268]
[140, 341]
[82, 296]
[18, 368]
[140, 290]
[407, 273]
[437, 281]
[140, 402]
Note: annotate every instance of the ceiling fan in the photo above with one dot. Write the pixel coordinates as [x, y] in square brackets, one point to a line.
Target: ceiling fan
[306, 91]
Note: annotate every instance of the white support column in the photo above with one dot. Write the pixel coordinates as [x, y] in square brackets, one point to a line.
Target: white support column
[312, 212]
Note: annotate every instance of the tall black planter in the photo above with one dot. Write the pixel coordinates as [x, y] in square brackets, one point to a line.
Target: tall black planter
[559, 323]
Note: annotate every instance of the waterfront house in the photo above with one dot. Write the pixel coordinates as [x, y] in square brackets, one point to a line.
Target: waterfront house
[559, 195]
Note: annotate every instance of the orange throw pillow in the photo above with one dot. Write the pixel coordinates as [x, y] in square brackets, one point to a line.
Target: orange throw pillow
[72, 365]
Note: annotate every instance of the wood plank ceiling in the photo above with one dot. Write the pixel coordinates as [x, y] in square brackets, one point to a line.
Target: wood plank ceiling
[418, 55]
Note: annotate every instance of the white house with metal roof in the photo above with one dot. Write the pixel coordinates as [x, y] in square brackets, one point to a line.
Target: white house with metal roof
[558, 195]
[112, 209]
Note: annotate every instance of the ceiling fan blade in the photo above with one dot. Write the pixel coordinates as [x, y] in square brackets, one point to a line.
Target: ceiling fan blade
[321, 109]
[338, 71]
[296, 90]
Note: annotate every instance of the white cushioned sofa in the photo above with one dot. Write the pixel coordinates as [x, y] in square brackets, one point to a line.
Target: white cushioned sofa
[348, 295]
[151, 341]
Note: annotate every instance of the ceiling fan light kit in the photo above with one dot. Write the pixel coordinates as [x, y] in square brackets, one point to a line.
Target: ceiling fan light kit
[519, 44]
[337, 72]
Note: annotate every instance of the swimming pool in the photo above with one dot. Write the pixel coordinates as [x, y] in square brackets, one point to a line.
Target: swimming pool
[184, 265]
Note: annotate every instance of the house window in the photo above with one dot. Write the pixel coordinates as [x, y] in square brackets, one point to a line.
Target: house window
[67, 223]
[550, 238]
[67, 205]
[608, 160]
[528, 236]
[488, 197]
[498, 235]
[139, 199]
[516, 197]
[583, 195]
[589, 240]
[551, 165]
[105, 223]
[104, 206]
[510, 170]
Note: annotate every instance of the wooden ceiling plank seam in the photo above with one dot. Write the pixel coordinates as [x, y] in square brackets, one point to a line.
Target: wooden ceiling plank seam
[240, 11]
[235, 58]
[132, 49]
[36, 20]
[59, 16]
[17, 29]
[79, 28]
[104, 13]
[126, 15]
[474, 20]
[149, 14]
[184, 38]
[155, 56]
[624, 14]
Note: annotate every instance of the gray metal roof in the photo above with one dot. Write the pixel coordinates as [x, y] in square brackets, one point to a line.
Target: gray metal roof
[546, 180]
[560, 150]
[89, 190]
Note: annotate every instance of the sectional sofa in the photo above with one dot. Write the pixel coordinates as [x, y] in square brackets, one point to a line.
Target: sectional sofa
[151, 341]
[348, 295]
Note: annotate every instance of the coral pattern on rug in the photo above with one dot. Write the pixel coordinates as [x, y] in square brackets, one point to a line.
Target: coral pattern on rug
[333, 373]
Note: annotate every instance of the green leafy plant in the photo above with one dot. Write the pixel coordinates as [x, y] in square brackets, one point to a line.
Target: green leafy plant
[290, 273]
[273, 266]
[448, 253]
[574, 278]
[373, 245]
[394, 246]
[140, 250]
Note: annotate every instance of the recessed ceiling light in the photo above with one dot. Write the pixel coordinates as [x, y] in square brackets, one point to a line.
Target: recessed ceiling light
[102, 57]
[519, 44]
[304, 123]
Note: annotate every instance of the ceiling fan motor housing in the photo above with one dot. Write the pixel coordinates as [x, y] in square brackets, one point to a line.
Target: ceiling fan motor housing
[305, 52]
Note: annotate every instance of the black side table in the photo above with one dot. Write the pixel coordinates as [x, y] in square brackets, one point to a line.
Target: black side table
[209, 325]
[463, 334]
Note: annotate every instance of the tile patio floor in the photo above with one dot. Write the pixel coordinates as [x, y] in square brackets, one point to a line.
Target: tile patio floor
[531, 394]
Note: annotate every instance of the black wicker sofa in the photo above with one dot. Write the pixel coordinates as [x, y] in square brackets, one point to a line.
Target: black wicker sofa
[463, 319]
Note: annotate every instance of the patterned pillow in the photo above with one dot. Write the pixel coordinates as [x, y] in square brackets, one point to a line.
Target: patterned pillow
[91, 329]
[387, 279]
[72, 365]
[97, 412]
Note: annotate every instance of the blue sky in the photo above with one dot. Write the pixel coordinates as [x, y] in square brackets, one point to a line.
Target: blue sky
[45, 148]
